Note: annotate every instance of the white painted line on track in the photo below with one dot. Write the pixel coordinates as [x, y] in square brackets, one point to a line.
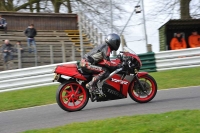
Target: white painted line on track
[56, 103]
[28, 108]
[180, 88]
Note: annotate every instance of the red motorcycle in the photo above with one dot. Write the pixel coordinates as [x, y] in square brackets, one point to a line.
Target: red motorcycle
[72, 95]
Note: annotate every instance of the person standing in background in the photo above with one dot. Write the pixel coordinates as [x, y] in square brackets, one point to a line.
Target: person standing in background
[19, 45]
[31, 32]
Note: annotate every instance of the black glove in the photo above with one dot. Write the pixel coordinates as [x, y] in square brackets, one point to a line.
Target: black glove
[90, 59]
[113, 68]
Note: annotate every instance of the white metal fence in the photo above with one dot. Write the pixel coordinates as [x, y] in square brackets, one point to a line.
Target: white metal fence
[28, 77]
[43, 75]
[175, 59]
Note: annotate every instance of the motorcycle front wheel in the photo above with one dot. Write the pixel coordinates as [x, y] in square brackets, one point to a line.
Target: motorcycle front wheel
[71, 96]
[150, 89]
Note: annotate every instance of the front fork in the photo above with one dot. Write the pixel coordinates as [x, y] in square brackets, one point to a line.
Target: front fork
[137, 76]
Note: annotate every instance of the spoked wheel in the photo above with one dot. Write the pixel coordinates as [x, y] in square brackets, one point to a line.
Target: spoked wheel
[150, 89]
[71, 96]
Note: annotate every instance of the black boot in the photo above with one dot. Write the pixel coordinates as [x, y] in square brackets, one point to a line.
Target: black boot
[92, 85]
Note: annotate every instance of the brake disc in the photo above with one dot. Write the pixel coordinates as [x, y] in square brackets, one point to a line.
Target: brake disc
[138, 90]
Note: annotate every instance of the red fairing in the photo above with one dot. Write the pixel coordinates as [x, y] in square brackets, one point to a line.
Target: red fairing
[116, 61]
[140, 74]
[134, 56]
[69, 70]
[115, 82]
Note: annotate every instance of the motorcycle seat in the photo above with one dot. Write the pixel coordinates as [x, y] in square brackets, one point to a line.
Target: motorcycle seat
[85, 74]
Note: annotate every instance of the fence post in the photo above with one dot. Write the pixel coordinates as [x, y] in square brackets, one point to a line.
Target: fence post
[149, 48]
[36, 60]
[63, 52]
[100, 38]
[19, 57]
[51, 54]
[80, 33]
[73, 53]
[123, 43]
[83, 22]
[96, 36]
[91, 33]
[86, 25]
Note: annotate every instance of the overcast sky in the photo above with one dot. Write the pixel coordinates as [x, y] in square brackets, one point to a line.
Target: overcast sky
[134, 34]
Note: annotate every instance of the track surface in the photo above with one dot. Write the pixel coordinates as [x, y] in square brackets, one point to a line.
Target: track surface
[52, 116]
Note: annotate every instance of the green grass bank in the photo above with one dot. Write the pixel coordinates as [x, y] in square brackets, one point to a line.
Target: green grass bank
[185, 121]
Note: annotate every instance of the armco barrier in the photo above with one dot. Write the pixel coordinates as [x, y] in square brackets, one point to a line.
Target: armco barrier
[177, 53]
[148, 62]
[43, 75]
[175, 59]
[27, 77]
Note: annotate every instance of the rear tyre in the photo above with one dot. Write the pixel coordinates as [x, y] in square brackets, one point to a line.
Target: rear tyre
[150, 87]
[71, 96]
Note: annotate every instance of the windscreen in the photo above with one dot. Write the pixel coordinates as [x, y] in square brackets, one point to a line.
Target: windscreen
[126, 49]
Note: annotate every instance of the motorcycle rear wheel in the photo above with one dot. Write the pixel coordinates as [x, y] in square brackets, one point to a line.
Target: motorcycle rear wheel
[150, 87]
[71, 96]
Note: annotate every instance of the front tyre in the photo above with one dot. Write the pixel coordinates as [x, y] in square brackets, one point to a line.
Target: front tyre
[71, 96]
[150, 87]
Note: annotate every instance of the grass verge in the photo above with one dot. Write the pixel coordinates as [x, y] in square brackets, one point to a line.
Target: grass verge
[27, 97]
[185, 121]
[46, 95]
[177, 78]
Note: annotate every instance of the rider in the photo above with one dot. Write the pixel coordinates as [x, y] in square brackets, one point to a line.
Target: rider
[100, 53]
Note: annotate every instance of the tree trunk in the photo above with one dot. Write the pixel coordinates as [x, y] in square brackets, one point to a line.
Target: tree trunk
[69, 6]
[185, 9]
[2, 6]
[56, 5]
[38, 6]
[10, 6]
[30, 6]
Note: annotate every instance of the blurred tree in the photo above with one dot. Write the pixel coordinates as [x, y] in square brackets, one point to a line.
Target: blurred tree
[98, 10]
[185, 9]
[56, 5]
[169, 8]
[6, 5]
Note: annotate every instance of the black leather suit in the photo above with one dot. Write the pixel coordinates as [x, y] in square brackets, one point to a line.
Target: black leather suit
[89, 63]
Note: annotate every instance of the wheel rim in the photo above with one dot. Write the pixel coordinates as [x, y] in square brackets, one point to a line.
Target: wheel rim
[73, 96]
[149, 86]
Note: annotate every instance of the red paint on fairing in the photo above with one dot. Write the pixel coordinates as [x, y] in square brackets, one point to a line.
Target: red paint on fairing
[117, 85]
[70, 70]
[140, 74]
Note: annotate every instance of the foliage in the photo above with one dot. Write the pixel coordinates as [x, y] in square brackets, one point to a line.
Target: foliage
[100, 11]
